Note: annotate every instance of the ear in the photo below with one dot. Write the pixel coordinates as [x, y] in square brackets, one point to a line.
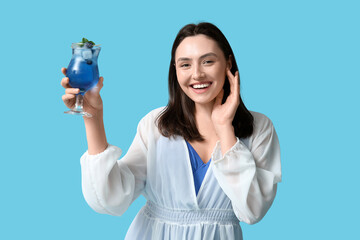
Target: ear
[229, 62]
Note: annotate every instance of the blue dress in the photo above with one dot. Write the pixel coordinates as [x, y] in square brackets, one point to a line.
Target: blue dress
[238, 186]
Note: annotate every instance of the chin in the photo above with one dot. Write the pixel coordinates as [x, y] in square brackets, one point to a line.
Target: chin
[203, 101]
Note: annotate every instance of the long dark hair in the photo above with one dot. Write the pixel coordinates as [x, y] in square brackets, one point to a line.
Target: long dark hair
[178, 118]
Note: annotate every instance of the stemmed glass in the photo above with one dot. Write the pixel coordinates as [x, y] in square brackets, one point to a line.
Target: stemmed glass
[83, 73]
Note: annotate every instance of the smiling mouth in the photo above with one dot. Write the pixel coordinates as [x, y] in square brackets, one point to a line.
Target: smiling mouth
[200, 85]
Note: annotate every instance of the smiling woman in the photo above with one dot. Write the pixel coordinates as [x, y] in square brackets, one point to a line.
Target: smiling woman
[201, 74]
[204, 162]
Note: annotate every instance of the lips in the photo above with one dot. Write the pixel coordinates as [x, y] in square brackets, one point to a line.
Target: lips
[201, 85]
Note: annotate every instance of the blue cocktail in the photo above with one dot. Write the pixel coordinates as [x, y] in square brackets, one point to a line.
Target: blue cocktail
[83, 72]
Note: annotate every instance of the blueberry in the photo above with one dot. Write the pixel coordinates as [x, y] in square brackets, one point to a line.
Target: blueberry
[89, 44]
[89, 61]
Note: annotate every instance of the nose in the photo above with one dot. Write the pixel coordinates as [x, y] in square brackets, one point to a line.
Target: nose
[197, 72]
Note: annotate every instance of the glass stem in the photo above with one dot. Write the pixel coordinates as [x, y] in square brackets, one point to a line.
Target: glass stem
[79, 102]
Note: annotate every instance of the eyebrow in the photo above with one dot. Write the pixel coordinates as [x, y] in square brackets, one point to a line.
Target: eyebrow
[203, 56]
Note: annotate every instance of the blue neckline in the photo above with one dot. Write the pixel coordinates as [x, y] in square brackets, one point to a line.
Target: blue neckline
[198, 167]
[197, 157]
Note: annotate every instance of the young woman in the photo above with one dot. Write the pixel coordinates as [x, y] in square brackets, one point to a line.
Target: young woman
[203, 162]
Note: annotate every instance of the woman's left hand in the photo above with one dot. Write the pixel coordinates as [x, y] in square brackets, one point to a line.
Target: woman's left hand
[223, 114]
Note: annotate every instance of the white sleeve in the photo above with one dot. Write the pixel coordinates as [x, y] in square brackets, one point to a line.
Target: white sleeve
[249, 177]
[110, 185]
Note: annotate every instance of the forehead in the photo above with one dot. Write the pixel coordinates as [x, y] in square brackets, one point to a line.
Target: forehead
[196, 46]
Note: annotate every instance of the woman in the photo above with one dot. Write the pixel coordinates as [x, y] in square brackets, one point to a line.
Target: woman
[203, 162]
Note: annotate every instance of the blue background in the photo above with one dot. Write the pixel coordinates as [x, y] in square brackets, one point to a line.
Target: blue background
[299, 65]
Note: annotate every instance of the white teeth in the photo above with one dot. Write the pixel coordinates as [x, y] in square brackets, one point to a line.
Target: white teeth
[201, 85]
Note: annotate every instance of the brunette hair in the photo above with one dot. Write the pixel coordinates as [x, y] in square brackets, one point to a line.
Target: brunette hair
[178, 118]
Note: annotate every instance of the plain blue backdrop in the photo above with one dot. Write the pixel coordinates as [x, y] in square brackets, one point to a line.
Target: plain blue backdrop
[299, 65]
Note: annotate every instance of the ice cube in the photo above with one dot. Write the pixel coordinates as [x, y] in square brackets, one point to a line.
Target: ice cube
[86, 54]
[77, 51]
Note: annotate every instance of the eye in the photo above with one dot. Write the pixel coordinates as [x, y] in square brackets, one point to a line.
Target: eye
[208, 62]
[184, 65]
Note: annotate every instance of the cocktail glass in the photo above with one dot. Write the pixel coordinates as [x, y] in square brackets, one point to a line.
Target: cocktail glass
[83, 73]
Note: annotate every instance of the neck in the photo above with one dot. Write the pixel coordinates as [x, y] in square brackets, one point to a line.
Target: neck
[203, 111]
[203, 120]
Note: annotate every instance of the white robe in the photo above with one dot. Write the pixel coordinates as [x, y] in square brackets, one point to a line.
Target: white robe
[239, 186]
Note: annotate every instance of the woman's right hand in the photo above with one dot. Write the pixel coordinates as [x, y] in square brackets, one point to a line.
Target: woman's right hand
[92, 100]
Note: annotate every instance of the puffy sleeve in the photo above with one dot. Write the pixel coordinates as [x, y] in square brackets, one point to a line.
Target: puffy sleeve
[110, 185]
[249, 177]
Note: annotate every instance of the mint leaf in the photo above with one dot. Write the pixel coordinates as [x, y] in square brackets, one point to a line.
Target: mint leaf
[84, 41]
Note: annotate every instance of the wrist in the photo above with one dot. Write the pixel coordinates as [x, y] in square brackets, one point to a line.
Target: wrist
[95, 134]
[96, 116]
[224, 130]
[226, 136]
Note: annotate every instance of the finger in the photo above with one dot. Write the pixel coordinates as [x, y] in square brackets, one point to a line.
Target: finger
[72, 91]
[234, 82]
[63, 70]
[67, 97]
[229, 73]
[65, 82]
[101, 82]
[98, 86]
[237, 88]
[231, 78]
[237, 83]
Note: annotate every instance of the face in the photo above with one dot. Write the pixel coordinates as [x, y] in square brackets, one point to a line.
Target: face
[200, 68]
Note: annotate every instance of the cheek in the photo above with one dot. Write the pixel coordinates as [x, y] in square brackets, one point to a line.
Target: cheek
[182, 78]
[221, 79]
[220, 75]
[219, 70]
